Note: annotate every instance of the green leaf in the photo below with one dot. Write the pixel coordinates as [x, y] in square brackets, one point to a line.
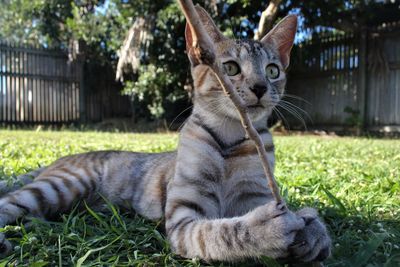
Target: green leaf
[367, 250]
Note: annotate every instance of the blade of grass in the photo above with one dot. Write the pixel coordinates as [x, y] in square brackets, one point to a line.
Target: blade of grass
[96, 216]
[114, 212]
[59, 252]
[334, 200]
[90, 251]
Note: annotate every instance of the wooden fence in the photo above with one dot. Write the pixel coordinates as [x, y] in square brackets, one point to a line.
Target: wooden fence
[40, 85]
[102, 94]
[344, 80]
[347, 80]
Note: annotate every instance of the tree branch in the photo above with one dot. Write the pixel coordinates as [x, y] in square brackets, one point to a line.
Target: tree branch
[205, 52]
[267, 19]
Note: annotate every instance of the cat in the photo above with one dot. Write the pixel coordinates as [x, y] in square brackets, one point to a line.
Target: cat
[212, 191]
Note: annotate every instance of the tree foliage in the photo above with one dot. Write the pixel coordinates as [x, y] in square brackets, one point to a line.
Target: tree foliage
[100, 26]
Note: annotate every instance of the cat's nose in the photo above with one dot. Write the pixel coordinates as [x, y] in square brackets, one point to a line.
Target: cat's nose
[259, 89]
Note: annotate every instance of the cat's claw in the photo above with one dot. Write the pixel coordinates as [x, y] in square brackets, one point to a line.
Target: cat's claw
[5, 246]
[312, 243]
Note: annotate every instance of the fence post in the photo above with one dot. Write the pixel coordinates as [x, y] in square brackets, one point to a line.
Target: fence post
[82, 91]
[362, 78]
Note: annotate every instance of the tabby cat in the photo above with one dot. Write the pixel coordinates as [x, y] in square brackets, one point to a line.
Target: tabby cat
[212, 191]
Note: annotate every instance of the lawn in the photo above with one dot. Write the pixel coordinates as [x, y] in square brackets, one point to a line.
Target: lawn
[354, 182]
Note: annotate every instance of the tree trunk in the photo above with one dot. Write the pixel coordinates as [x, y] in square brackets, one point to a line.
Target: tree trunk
[267, 19]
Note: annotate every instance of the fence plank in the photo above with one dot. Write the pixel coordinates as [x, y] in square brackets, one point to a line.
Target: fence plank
[2, 103]
[362, 72]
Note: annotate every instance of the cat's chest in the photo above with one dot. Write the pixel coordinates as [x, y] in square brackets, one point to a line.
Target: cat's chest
[243, 182]
[242, 160]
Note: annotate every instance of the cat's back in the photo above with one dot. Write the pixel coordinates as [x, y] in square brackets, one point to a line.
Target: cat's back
[109, 158]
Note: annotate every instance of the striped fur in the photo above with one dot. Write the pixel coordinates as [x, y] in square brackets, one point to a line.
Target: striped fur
[212, 191]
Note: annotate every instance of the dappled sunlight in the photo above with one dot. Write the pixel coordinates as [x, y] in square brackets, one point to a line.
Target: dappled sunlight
[353, 182]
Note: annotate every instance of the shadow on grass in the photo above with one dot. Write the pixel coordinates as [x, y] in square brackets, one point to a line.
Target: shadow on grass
[122, 238]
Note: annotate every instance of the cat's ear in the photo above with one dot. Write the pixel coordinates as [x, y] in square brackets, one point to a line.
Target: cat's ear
[210, 27]
[281, 37]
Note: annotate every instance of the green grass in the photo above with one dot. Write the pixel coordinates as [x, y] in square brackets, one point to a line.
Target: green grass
[354, 182]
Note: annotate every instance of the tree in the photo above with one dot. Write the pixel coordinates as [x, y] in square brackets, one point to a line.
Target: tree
[344, 15]
[100, 27]
[164, 65]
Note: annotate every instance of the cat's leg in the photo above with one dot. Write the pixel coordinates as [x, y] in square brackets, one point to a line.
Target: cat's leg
[267, 230]
[58, 188]
[5, 187]
[53, 191]
[126, 179]
[49, 194]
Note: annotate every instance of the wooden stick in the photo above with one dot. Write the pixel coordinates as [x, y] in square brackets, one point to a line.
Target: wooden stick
[204, 50]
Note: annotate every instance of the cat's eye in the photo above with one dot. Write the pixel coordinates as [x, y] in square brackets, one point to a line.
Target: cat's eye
[231, 68]
[272, 71]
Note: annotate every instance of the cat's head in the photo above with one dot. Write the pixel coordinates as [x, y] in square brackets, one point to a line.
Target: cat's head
[256, 69]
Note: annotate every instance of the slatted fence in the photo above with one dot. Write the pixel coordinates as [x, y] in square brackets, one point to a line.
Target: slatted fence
[38, 85]
[325, 75]
[348, 79]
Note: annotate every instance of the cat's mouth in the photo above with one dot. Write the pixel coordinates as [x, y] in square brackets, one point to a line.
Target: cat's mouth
[258, 105]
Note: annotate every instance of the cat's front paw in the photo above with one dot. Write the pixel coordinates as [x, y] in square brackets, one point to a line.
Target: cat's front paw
[312, 243]
[5, 246]
[274, 228]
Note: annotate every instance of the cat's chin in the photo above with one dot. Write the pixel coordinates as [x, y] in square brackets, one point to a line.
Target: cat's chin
[255, 112]
[258, 112]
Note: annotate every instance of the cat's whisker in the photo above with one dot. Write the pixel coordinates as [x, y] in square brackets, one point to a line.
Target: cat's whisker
[217, 105]
[278, 112]
[294, 113]
[298, 108]
[183, 111]
[182, 124]
[291, 111]
[214, 102]
[280, 115]
[297, 98]
[288, 102]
